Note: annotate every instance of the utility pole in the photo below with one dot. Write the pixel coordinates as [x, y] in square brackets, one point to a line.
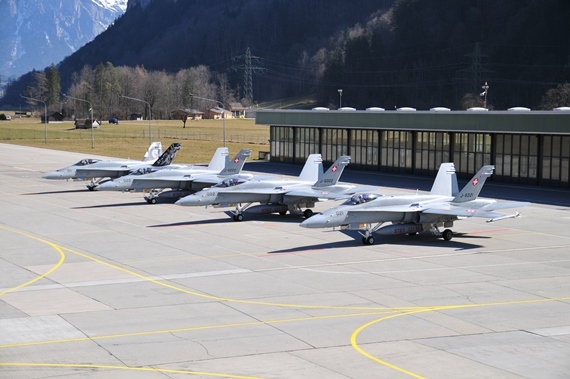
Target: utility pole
[248, 69]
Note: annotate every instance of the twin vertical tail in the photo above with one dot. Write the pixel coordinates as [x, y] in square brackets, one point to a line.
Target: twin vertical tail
[331, 177]
[445, 183]
[313, 169]
[219, 160]
[236, 165]
[475, 185]
[154, 151]
[168, 156]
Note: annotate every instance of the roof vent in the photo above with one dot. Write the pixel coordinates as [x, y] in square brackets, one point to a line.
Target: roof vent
[375, 109]
[519, 109]
[440, 109]
[477, 109]
[406, 109]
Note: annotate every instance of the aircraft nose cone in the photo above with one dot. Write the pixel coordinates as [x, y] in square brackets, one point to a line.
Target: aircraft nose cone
[52, 175]
[107, 186]
[315, 221]
[189, 201]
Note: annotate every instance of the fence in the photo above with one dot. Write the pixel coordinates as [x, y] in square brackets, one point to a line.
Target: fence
[259, 137]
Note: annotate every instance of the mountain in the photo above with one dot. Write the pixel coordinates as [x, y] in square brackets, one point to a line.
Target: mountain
[386, 53]
[36, 33]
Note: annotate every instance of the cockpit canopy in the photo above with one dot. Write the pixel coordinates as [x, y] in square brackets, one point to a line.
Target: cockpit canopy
[361, 198]
[230, 182]
[87, 161]
[143, 170]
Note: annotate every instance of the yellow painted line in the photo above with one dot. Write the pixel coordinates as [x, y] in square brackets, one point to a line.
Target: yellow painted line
[124, 368]
[190, 329]
[402, 311]
[41, 276]
[355, 334]
[224, 299]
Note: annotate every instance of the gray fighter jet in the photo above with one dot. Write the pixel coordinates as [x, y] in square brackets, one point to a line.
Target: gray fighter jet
[99, 172]
[410, 214]
[181, 181]
[69, 172]
[277, 195]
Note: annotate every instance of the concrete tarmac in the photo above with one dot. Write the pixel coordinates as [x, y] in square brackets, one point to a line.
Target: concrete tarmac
[104, 285]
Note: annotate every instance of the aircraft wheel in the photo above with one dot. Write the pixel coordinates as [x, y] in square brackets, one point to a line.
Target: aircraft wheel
[91, 187]
[152, 200]
[370, 240]
[447, 234]
[238, 217]
[308, 213]
[412, 234]
[283, 213]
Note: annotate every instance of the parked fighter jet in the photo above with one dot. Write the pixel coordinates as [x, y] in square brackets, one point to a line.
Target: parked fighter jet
[100, 171]
[181, 181]
[277, 195]
[410, 214]
[151, 155]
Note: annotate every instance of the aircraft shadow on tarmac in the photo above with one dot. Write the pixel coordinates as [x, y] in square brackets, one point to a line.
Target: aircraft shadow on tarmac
[228, 219]
[56, 192]
[111, 205]
[422, 239]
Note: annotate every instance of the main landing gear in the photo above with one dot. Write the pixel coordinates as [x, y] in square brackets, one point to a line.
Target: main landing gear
[238, 212]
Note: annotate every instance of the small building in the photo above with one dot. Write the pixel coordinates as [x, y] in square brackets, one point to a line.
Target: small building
[136, 116]
[238, 110]
[55, 116]
[86, 124]
[192, 114]
[217, 113]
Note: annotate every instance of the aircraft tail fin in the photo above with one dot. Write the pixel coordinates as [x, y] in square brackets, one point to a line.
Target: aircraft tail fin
[474, 186]
[313, 169]
[445, 183]
[168, 156]
[332, 175]
[154, 151]
[235, 165]
[219, 160]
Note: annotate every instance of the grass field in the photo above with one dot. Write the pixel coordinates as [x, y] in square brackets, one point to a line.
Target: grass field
[130, 139]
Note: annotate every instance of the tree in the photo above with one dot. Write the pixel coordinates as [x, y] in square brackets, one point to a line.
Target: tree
[556, 97]
[180, 114]
[53, 85]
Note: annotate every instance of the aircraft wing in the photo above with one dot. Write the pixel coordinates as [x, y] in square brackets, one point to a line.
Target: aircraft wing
[463, 209]
[331, 193]
[148, 183]
[101, 173]
[262, 191]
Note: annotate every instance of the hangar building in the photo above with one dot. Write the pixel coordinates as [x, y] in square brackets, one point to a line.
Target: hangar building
[526, 147]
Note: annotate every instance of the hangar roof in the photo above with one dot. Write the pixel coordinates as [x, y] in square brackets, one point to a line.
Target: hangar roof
[533, 122]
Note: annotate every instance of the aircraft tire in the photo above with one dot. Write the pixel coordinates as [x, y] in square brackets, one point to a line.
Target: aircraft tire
[91, 188]
[283, 213]
[308, 213]
[447, 234]
[152, 200]
[238, 217]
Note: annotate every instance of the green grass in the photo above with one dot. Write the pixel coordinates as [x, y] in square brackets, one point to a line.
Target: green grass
[130, 139]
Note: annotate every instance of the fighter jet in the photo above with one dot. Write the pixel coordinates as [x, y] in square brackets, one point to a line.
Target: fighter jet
[99, 172]
[181, 181]
[277, 195]
[410, 214]
[151, 155]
